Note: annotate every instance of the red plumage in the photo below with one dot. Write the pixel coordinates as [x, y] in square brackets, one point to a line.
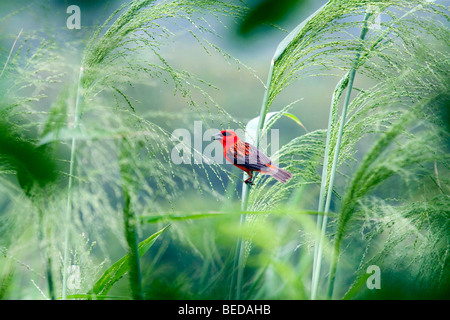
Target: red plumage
[249, 158]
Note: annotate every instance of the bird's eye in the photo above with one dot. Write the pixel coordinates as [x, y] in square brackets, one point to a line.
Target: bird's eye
[226, 134]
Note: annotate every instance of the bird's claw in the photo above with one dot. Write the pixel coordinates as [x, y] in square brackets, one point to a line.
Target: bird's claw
[249, 182]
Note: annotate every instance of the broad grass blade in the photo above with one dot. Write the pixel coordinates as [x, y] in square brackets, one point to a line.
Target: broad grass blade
[120, 268]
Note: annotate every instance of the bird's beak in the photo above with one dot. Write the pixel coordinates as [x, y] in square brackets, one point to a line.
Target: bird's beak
[217, 136]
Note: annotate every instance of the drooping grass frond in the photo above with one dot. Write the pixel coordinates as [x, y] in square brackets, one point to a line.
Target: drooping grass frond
[390, 80]
[143, 28]
[327, 42]
[369, 111]
[97, 115]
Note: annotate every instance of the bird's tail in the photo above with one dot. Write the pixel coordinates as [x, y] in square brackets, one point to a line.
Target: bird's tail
[281, 175]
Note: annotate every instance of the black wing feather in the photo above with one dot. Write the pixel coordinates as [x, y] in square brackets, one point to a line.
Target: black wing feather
[248, 156]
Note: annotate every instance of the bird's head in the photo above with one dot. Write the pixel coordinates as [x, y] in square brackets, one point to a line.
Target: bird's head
[226, 137]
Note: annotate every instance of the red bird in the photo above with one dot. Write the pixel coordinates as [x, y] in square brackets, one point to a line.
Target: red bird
[248, 158]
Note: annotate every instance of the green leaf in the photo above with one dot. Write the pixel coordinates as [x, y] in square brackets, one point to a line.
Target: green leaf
[120, 268]
[291, 116]
[294, 33]
[215, 214]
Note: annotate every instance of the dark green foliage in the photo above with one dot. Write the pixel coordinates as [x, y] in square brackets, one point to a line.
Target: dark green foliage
[266, 12]
[33, 165]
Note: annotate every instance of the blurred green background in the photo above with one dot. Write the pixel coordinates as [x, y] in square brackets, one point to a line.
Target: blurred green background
[178, 267]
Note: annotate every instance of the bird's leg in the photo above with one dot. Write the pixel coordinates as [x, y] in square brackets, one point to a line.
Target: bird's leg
[248, 181]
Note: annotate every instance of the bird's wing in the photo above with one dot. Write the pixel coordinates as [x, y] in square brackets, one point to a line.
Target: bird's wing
[248, 156]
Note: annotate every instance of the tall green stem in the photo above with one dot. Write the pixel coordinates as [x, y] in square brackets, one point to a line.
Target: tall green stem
[280, 50]
[262, 117]
[265, 103]
[351, 79]
[318, 248]
[44, 248]
[322, 221]
[131, 237]
[240, 247]
[129, 220]
[68, 213]
[239, 260]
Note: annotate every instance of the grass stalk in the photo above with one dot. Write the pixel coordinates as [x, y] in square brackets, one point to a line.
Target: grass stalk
[351, 79]
[239, 260]
[10, 53]
[45, 253]
[240, 247]
[318, 247]
[238, 265]
[322, 220]
[131, 237]
[68, 212]
[280, 50]
[129, 220]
